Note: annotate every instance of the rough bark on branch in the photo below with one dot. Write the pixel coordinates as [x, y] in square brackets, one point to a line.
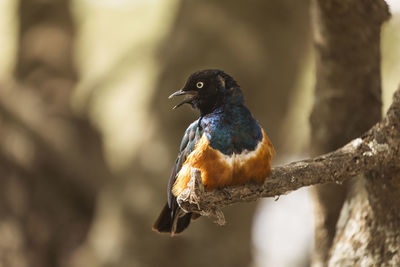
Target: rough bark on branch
[376, 149]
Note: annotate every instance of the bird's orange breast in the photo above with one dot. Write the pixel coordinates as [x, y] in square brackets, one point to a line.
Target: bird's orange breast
[219, 170]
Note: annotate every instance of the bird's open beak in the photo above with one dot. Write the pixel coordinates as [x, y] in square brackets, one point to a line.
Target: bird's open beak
[190, 96]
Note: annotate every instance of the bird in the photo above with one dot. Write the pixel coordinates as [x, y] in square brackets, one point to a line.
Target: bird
[226, 143]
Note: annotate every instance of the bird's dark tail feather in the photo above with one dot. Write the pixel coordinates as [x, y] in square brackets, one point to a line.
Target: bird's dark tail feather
[165, 222]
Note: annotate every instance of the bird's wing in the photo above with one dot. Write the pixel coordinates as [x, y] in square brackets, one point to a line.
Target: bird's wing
[190, 138]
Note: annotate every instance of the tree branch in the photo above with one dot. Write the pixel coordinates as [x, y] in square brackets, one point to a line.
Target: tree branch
[378, 147]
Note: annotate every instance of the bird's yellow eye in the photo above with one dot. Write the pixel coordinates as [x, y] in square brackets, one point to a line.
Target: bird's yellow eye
[199, 85]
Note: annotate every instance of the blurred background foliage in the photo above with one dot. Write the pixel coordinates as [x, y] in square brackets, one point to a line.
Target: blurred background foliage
[89, 137]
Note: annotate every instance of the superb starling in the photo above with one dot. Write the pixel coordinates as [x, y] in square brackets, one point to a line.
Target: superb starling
[226, 143]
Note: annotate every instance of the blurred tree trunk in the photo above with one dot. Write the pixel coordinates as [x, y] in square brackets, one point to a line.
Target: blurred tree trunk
[45, 56]
[51, 160]
[347, 101]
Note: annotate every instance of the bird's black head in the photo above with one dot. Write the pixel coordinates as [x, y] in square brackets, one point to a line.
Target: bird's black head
[208, 90]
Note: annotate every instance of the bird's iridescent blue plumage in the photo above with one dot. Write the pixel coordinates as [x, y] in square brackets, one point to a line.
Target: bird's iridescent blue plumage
[191, 136]
[232, 129]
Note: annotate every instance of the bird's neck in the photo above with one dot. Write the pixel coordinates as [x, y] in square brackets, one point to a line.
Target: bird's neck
[232, 98]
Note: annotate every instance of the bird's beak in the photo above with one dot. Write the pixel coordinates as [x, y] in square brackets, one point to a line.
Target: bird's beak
[191, 96]
[178, 93]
